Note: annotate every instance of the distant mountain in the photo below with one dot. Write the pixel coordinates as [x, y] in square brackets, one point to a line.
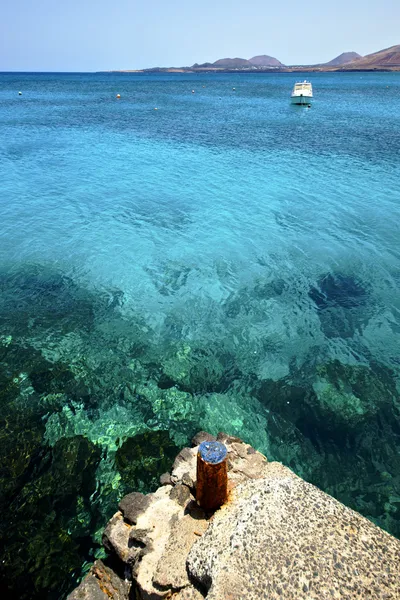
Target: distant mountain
[384, 59]
[232, 63]
[388, 59]
[259, 62]
[343, 59]
[265, 61]
[205, 65]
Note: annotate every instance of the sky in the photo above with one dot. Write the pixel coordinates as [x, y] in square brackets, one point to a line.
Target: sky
[100, 35]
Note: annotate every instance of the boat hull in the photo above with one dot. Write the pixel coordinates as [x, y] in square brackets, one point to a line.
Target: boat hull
[301, 100]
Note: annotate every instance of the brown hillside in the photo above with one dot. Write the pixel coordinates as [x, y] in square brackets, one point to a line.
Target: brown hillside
[388, 58]
[342, 59]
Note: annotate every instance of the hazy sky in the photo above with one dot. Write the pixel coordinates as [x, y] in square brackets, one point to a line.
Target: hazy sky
[91, 35]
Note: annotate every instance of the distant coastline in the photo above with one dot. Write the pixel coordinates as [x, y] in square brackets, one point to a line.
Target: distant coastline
[383, 60]
[303, 69]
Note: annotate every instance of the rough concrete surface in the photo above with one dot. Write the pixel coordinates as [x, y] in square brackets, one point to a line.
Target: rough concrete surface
[171, 570]
[282, 538]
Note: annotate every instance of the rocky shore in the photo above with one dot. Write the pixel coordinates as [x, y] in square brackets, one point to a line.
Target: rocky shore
[277, 537]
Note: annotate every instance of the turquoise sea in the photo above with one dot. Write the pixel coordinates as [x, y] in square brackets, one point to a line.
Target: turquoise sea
[225, 262]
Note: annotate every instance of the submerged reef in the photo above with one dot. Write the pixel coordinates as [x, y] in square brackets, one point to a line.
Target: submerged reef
[342, 304]
[142, 459]
[95, 400]
[338, 290]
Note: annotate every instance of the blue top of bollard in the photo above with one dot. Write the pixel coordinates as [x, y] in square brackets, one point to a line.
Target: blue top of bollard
[212, 452]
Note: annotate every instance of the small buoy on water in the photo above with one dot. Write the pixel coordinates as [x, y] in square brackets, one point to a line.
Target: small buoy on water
[192, 91]
[234, 89]
[118, 95]
[19, 93]
[156, 109]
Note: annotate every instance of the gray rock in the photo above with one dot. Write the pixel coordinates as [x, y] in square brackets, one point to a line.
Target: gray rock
[116, 539]
[181, 494]
[188, 481]
[101, 583]
[188, 593]
[184, 463]
[202, 436]
[282, 538]
[139, 538]
[228, 439]
[133, 505]
[244, 463]
[165, 479]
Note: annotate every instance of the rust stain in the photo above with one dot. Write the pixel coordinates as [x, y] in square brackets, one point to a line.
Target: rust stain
[212, 484]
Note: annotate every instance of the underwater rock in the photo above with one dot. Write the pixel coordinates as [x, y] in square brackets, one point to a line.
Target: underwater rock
[284, 398]
[264, 290]
[21, 420]
[165, 406]
[342, 303]
[42, 532]
[250, 299]
[348, 395]
[298, 418]
[143, 458]
[169, 278]
[372, 490]
[335, 290]
[59, 379]
[338, 399]
[21, 449]
[43, 297]
[199, 369]
[66, 476]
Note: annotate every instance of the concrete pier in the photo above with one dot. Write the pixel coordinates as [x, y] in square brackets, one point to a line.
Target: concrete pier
[276, 537]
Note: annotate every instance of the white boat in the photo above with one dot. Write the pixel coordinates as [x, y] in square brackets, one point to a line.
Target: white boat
[302, 93]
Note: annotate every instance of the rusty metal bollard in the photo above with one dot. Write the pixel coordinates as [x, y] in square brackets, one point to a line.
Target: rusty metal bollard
[212, 475]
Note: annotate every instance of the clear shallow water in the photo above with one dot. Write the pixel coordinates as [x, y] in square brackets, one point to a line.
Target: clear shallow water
[227, 262]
